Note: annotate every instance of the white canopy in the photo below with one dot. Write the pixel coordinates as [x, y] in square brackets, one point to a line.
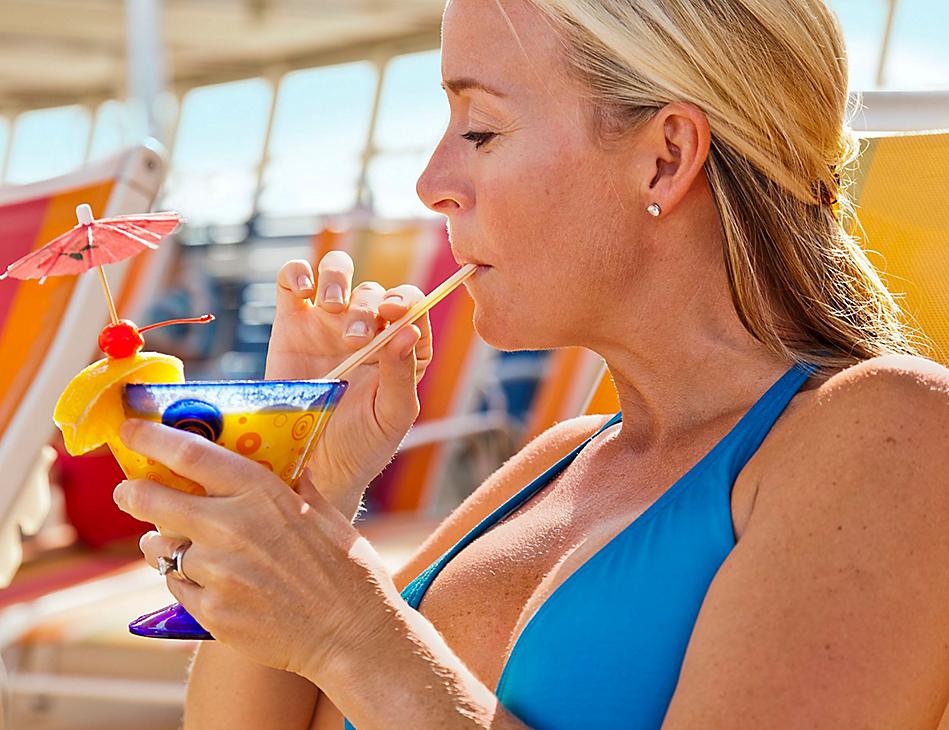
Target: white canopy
[57, 52]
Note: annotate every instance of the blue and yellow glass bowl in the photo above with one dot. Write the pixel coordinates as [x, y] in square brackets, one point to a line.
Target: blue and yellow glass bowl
[276, 423]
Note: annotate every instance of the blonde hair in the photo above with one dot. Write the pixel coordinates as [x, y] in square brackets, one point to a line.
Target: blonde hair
[771, 76]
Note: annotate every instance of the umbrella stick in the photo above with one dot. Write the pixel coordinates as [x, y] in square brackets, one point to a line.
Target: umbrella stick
[108, 295]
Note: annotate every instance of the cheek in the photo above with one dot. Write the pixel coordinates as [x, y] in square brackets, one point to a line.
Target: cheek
[545, 197]
[546, 219]
[554, 227]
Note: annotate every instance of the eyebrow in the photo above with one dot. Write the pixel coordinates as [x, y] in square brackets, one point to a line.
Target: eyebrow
[456, 86]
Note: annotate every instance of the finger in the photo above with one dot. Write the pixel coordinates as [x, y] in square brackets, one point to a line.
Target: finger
[335, 281]
[188, 595]
[219, 471]
[362, 318]
[295, 286]
[397, 402]
[175, 511]
[424, 349]
[193, 563]
[398, 300]
[155, 545]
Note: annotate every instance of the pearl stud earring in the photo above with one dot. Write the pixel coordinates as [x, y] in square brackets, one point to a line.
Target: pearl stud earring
[654, 209]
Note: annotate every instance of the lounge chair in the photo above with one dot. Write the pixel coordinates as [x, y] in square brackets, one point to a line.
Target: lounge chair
[48, 331]
[902, 192]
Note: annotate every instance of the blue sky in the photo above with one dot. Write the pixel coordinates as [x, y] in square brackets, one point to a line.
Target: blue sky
[919, 47]
[321, 119]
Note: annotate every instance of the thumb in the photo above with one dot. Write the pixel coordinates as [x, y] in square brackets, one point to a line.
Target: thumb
[295, 286]
[397, 403]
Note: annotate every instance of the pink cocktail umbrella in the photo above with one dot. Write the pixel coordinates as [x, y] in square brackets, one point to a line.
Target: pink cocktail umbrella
[92, 243]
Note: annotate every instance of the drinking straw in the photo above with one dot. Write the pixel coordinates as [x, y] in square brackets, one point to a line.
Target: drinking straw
[379, 341]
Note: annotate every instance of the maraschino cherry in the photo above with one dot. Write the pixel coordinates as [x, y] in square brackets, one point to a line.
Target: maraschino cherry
[123, 338]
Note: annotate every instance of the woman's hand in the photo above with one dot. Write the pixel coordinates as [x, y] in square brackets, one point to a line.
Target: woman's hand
[310, 338]
[285, 579]
[281, 576]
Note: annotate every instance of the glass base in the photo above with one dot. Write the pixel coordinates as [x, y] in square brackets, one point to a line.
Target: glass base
[170, 622]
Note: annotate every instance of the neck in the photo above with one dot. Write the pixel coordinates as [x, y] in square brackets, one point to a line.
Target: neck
[667, 400]
[683, 364]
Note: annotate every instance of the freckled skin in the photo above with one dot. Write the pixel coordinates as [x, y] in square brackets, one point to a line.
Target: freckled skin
[532, 192]
[576, 260]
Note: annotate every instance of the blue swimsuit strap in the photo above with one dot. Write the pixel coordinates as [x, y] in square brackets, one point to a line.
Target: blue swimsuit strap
[759, 418]
[757, 422]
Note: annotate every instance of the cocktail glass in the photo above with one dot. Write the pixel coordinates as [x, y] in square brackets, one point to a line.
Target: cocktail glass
[276, 423]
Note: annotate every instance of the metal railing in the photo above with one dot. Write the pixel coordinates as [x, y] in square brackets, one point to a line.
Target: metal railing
[902, 111]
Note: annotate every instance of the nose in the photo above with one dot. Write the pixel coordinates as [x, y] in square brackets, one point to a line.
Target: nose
[443, 185]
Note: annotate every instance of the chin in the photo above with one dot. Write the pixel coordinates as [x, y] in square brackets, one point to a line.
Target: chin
[506, 335]
[501, 322]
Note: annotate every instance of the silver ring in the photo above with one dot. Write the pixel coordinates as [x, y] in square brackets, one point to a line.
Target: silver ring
[172, 566]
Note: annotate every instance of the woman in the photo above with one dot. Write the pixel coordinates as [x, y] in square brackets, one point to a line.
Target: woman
[759, 540]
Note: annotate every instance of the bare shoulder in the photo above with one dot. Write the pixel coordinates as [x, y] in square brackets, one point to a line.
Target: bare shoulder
[538, 455]
[890, 380]
[840, 572]
[892, 409]
[879, 428]
[531, 461]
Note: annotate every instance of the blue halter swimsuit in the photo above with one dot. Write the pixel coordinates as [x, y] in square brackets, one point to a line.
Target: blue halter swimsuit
[605, 649]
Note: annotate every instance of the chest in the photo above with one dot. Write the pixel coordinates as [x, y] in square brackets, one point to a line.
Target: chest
[483, 598]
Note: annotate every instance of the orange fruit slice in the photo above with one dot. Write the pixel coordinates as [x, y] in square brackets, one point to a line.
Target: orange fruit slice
[89, 411]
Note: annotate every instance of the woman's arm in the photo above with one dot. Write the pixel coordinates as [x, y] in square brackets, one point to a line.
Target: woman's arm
[526, 464]
[407, 676]
[831, 612]
[228, 691]
[307, 342]
[275, 698]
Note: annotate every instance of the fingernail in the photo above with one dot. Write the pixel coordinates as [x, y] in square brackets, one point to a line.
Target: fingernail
[357, 328]
[393, 299]
[304, 282]
[333, 294]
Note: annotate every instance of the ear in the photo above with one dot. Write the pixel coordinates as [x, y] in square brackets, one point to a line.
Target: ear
[675, 144]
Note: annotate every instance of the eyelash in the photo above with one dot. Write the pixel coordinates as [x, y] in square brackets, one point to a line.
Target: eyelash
[479, 138]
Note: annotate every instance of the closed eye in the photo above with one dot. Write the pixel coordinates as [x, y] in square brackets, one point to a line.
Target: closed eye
[479, 138]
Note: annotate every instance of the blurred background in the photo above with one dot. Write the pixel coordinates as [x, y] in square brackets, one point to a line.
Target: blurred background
[279, 113]
[289, 128]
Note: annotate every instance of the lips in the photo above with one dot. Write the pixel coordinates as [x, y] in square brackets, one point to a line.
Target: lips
[462, 259]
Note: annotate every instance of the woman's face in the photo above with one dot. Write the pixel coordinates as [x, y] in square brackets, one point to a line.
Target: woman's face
[528, 189]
